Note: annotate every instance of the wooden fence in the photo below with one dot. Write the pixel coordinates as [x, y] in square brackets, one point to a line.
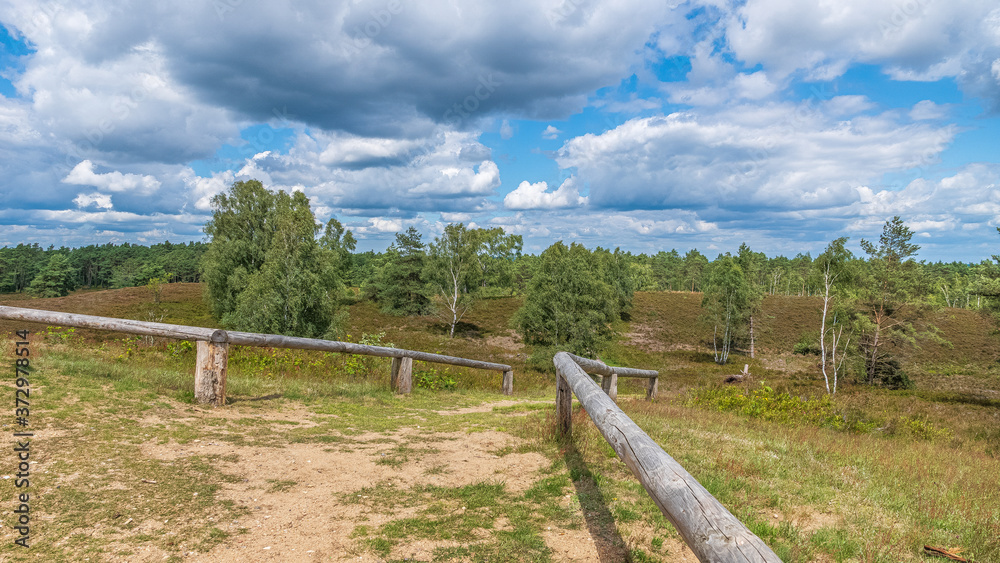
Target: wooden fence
[213, 349]
[711, 531]
[609, 376]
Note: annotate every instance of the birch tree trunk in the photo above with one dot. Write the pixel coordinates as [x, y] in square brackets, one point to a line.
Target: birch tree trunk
[454, 304]
[874, 355]
[822, 327]
[838, 338]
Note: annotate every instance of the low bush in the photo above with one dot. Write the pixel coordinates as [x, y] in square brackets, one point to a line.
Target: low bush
[808, 344]
[765, 403]
[889, 374]
[434, 379]
[367, 365]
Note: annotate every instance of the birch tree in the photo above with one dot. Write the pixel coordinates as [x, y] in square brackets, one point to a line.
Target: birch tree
[986, 287]
[726, 302]
[568, 303]
[832, 268]
[341, 243]
[453, 259]
[297, 290]
[619, 274]
[264, 269]
[753, 266]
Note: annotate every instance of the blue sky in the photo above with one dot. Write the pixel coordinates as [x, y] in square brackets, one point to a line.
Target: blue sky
[634, 124]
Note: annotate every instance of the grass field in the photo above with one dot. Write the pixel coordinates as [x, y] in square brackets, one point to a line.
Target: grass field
[314, 448]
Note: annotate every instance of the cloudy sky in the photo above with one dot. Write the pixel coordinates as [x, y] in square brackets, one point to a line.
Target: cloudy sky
[645, 125]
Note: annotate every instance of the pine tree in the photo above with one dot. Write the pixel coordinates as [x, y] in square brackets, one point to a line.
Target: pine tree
[398, 284]
[695, 264]
[56, 279]
[891, 284]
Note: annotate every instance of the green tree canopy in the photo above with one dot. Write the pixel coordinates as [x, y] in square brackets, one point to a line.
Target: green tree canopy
[727, 304]
[342, 243]
[264, 269]
[693, 269]
[453, 270]
[891, 283]
[497, 255]
[56, 279]
[985, 283]
[19, 266]
[397, 283]
[621, 275]
[667, 270]
[568, 303]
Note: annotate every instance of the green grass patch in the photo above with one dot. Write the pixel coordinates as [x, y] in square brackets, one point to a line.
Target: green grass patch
[467, 515]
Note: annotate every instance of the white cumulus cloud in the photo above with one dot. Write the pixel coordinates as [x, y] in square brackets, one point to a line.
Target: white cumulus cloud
[84, 174]
[926, 109]
[775, 156]
[99, 200]
[537, 196]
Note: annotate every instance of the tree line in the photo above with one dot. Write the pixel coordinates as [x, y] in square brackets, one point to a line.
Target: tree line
[269, 270]
[54, 272]
[505, 271]
[269, 266]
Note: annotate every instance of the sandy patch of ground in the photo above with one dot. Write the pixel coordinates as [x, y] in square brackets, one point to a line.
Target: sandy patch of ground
[571, 545]
[790, 363]
[509, 341]
[643, 337]
[299, 495]
[306, 501]
[299, 414]
[487, 407]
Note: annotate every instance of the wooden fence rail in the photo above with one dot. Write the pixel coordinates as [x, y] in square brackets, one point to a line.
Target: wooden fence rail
[609, 376]
[213, 349]
[710, 530]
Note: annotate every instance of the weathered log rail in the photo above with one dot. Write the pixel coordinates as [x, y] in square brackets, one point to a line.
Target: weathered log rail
[710, 530]
[609, 376]
[213, 349]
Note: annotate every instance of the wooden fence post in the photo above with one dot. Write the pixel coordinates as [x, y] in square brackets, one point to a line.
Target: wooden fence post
[564, 405]
[394, 374]
[654, 385]
[610, 385]
[507, 387]
[210, 372]
[401, 378]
